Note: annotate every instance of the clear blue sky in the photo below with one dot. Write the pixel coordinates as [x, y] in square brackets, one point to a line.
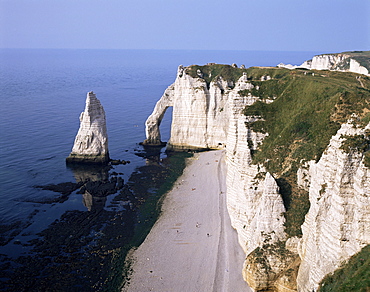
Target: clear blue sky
[287, 25]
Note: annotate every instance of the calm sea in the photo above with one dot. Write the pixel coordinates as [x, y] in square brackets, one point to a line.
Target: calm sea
[42, 93]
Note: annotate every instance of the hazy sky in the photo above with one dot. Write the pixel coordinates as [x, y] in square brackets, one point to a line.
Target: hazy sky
[289, 25]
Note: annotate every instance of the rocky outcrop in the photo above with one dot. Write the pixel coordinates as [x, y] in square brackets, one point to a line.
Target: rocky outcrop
[91, 142]
[325, 62]
[256, 211]
[253, 200]
[335, 62]
[337, 224]
[201, 112]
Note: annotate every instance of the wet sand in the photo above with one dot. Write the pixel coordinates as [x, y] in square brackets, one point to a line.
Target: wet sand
[192, 246]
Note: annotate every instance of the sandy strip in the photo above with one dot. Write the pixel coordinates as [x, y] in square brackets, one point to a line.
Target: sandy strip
[192, 247]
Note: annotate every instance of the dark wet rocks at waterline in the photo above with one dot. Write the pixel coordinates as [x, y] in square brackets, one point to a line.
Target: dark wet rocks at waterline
[85, 249]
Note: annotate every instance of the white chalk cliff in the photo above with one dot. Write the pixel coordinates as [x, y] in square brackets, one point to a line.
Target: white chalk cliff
[335, 62]
[337, 224]
[91, 142]
[200, 115]
[209, 116]
[212, 118]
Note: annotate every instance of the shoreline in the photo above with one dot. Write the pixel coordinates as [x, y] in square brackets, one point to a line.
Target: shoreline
[192, 246]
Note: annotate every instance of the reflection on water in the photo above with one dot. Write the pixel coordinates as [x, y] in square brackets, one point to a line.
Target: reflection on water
[85, 249]
[92, 198]
[83, 173]
[93, 203]
[152, 154]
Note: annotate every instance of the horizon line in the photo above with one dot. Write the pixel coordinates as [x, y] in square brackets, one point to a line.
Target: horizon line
[147, 49]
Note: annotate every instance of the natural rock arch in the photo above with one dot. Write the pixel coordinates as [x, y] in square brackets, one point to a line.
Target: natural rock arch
[152, 124]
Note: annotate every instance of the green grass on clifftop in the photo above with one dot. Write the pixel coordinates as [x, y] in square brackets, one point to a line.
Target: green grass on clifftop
[308, 109]
[213, 71]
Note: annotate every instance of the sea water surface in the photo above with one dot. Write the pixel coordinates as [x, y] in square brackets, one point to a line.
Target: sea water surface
[42, 93]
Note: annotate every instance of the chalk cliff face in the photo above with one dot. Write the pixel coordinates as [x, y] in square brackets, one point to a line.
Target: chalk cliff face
[91, 142]
[208, 114]
[335, 62]
[325, 62]
[256, 210]
[201, 113]
[337, 224]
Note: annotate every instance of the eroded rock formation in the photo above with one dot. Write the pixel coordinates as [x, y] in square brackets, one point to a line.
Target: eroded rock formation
[337, 224]
[201, 112]
[336, 62]
[91, 142]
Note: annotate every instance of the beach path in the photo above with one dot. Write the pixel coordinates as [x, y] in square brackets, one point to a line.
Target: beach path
[192, 247]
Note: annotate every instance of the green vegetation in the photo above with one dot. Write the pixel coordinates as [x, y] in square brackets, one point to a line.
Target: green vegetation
[353, 276]
[296, 204]
[212, 72]
[307, 111]
[357, 143]
[367, 159]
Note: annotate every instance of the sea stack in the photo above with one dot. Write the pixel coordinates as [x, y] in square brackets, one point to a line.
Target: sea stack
[91, 143]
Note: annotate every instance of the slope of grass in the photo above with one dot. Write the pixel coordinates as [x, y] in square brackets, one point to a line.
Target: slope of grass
[308, 109]
[353, 276]
[306, 113]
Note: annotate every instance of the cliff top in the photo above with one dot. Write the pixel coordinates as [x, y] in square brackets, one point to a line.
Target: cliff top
[362, 57]
[211, 72]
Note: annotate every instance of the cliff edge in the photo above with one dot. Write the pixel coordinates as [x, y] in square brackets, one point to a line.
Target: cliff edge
[356, 62]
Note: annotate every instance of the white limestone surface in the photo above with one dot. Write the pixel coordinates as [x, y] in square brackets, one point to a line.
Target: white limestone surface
[334, 62]
[337, 224]
[200, 116]
[91, 142]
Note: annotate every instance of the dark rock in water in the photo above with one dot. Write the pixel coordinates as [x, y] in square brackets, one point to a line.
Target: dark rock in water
[87, 159]
[149, 152]
[120, 183]
[102, 188]
[65, 188]
[118, 161]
